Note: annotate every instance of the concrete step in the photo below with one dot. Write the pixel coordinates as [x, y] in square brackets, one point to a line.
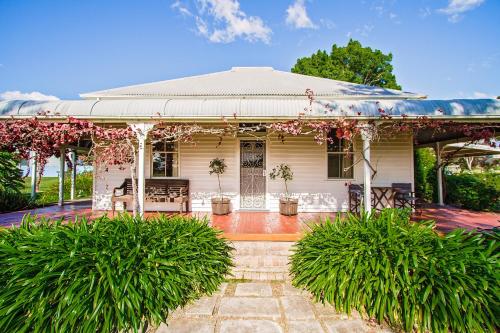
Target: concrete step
[261, 260]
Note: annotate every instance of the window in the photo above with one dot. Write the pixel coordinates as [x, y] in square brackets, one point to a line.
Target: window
[340, 158]
[165, 159]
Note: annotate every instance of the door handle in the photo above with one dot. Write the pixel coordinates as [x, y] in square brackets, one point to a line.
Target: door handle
[263, 172]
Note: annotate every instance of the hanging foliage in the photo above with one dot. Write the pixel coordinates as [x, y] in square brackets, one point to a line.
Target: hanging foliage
[119, 145]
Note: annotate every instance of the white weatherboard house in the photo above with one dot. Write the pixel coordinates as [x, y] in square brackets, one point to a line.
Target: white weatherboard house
[249, 95]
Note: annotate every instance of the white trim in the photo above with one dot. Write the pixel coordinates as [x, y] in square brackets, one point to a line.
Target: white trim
[179, 175]
[34, 173]
[439, 171]
[62, 165]
[353, 153]
[367, 173]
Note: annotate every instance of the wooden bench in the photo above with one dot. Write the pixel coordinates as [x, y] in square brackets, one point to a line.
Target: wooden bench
[156, 190]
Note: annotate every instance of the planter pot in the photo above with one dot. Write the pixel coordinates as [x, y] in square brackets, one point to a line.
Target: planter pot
[221, 206]
[289, 206]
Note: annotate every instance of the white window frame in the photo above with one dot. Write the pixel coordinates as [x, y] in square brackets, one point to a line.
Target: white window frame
[341, 152]
[177, 151]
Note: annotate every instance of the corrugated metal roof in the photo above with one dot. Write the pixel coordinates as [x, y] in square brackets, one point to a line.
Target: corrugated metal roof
[251, 108]
[465, 149]
[250, 81]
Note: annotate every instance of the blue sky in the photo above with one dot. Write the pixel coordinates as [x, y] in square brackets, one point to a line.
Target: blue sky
[443, 48]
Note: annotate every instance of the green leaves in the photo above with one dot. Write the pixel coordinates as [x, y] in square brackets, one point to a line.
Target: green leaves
[477, 191]
[351, 63]
[106, 276]
[404, 273]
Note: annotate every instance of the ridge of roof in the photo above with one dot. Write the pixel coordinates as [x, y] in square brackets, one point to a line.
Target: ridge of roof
[249, 81]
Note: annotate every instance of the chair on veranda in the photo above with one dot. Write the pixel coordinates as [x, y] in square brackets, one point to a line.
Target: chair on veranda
[404, 197]
[355, 198]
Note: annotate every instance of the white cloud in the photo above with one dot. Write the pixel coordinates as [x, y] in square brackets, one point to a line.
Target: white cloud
[365, 30]
[456, 8]
[35, 96]
[479, 94]
[229, 22]
[181, 7]
[474, 95]
[296, 16]
[201, 26]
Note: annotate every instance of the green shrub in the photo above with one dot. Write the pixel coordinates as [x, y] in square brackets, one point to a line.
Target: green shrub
[10, 174]
[83, 189]
[12, 200]
[476, 191]
[391, 269]
[425, 174]
[111, 275]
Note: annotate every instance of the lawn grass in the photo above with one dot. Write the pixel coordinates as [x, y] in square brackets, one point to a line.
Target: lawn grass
[48, 192]
[45, 184]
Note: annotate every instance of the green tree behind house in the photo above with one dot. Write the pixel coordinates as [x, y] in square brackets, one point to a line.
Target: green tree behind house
[351, 63]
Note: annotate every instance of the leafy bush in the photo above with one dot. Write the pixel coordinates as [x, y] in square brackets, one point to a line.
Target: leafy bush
[110, 275]
[476, 191]
[11, 185]
[425, 174]
[83, 186]
[10, 174]
[391, 269]
[12, 200]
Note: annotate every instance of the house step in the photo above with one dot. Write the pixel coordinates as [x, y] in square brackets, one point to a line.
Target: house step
[261, 260]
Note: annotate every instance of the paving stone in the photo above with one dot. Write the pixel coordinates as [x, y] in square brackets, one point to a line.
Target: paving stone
[187, 325]
[325, 310]
[297, 307]
[202, 307]
[253, 289]
[222, 289]
[300, 326]
[289, 290]
[250, 326]
[264, 307]
[346, 326]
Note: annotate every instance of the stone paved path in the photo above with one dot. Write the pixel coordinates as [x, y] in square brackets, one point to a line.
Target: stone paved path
[263, 307]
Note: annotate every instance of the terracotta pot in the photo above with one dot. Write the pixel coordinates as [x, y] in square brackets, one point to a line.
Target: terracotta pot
[289, 206]
[221, 206]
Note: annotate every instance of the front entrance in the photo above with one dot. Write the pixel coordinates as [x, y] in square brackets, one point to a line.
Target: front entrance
[252, 174]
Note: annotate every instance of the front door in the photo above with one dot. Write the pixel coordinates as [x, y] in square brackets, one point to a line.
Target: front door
[252, 174]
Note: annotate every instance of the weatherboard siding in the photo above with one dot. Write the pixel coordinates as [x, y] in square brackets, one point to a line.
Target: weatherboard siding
[391, 157]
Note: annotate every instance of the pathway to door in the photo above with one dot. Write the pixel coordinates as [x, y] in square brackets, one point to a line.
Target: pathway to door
[264, 307]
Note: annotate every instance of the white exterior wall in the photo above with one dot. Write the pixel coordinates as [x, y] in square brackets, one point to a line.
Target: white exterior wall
[391, 157]
[105, 182]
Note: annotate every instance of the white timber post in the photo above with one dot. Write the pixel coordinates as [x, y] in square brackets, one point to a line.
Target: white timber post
[73, 174]
[62, 163]
[439, 174]
[141, 130]
[34, 171]
[367, 172]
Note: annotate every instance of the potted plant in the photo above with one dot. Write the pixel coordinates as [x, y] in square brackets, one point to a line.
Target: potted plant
[220, 205]
[288, 205]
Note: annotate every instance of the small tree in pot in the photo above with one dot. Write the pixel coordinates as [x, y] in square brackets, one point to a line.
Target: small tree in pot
[220, 205]
[288, 205]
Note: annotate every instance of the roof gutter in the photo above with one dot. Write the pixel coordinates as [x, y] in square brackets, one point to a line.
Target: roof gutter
[219, 119]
